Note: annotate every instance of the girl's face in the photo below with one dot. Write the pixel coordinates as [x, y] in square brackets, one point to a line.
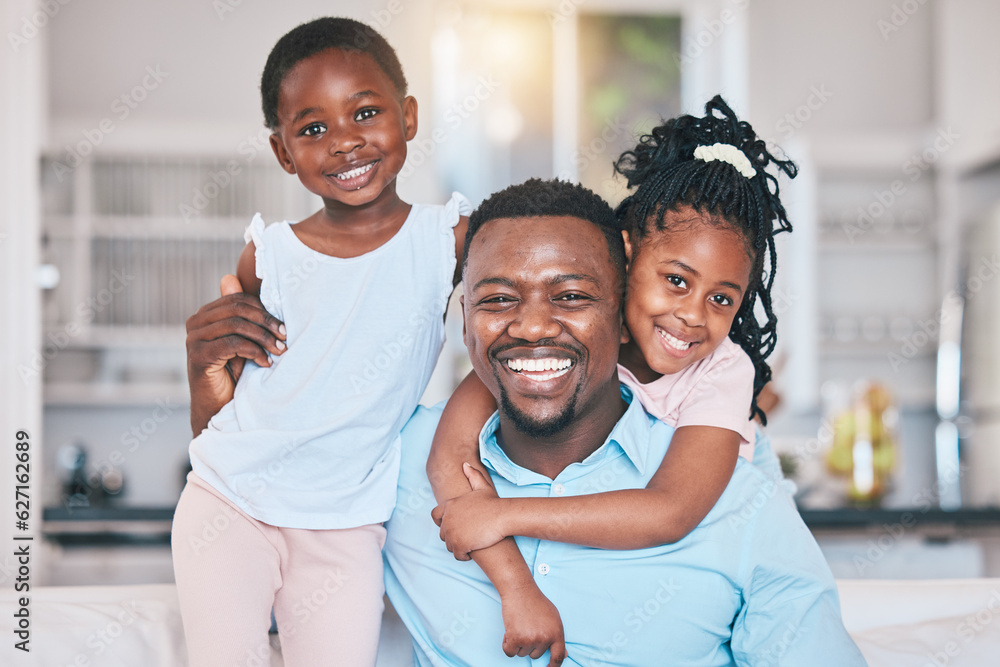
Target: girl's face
[342, 127]
[685, 286]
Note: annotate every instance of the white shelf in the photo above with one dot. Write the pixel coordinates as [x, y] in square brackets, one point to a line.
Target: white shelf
[103, 337]
[115, 394]
[162, 227]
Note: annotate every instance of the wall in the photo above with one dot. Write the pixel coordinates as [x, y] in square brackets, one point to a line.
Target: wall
[22, 79]
[208, 57]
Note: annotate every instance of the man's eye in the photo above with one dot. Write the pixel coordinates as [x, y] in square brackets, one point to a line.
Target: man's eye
[365, 114]
[572, 297]
[313, 130]
[499, 299]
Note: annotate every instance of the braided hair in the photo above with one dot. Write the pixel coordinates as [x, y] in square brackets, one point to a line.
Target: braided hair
[665, 175]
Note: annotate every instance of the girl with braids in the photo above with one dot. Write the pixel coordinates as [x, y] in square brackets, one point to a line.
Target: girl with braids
[699, 230]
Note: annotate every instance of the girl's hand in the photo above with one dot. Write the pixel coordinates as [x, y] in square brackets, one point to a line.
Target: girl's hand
[532, 625]
[471, 521]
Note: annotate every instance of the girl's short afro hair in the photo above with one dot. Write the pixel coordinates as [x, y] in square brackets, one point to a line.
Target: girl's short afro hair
[319, 35]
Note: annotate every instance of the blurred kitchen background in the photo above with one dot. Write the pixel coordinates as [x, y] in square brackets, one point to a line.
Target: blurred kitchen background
[134, 155]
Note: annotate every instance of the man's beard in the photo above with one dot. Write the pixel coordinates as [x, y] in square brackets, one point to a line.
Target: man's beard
[537, 428]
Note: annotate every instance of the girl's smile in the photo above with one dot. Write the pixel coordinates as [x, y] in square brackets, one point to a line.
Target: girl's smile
[685, 286]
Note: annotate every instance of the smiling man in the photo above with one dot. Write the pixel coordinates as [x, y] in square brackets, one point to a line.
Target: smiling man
[543, 276]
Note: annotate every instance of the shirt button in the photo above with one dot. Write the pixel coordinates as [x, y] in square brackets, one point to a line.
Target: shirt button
[558, 489]
[543, 568]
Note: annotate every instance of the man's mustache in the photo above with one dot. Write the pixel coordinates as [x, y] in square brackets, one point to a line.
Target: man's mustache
[493, 352]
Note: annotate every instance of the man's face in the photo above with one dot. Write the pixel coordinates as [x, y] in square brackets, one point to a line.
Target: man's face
[542, 311]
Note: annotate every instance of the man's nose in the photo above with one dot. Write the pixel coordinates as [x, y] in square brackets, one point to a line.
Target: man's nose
[535, 320]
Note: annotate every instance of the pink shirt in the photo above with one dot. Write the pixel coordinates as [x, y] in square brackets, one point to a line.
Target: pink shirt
[716, 391]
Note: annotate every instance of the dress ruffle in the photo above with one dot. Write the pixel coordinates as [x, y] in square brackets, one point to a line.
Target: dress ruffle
[268, 286]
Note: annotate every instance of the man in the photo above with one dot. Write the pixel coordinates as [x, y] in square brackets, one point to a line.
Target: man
[749, 586]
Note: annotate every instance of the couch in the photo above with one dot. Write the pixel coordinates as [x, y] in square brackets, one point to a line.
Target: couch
[895, 623]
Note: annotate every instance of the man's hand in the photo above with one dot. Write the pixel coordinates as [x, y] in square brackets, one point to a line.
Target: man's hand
[532, 625]
[470, 521]
[221, 337]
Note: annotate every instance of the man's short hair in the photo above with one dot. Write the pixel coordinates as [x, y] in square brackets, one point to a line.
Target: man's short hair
[550, 198]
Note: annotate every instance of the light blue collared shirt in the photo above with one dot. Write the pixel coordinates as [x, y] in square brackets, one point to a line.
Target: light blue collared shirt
[749, 586]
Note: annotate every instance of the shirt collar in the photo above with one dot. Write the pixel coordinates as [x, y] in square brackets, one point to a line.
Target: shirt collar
[629, 436]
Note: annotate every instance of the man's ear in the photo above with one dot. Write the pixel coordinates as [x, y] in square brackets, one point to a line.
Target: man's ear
[410, 117]
[628, 248]
[461, 302]
[280, 152]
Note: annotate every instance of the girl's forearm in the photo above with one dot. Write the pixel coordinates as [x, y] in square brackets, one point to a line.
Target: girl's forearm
[690, 479]
[505, 567]
[627, 519]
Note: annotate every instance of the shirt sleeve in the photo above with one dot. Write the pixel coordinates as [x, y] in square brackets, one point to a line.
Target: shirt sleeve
[269, 295]
[791, 610]
[721, 395]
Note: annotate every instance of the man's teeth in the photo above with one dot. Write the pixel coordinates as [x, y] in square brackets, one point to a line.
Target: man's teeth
[556, 367]
[353, 173]
[673, 341]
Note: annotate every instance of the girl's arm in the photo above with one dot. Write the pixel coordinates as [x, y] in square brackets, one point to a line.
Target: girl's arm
[457, 438]
[246, 270]
[531, 622]
[689, 481]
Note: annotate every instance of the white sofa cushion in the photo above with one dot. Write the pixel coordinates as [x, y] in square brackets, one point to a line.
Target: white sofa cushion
[925, 623]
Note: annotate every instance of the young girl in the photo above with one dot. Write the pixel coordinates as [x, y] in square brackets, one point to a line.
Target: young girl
[294, 476]
[699, 236]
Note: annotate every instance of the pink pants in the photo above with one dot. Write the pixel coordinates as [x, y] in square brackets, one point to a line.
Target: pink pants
[325, 586]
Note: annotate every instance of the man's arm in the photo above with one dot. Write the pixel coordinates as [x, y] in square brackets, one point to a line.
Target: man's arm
[791, 610]
[221, 336]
